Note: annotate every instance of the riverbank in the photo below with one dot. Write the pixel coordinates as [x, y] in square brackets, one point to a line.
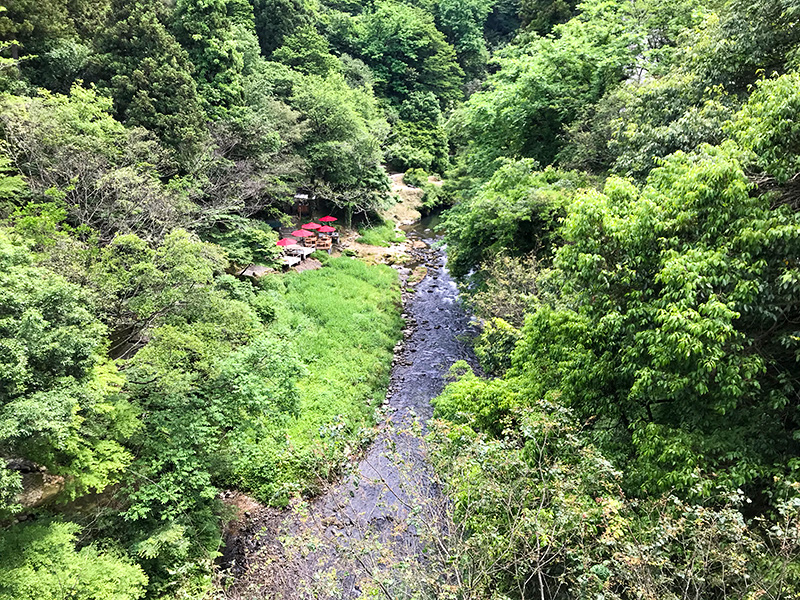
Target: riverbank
[363, 535]
[341, 323]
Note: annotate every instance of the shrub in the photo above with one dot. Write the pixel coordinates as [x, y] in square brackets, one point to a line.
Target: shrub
[415, 177]
[495, 345]
[40, 562]
[383, 235]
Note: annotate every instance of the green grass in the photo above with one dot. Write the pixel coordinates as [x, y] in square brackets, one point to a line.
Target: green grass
[381, 235]
[342, 321]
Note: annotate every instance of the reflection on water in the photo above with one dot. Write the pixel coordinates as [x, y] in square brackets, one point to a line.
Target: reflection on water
[425, 228]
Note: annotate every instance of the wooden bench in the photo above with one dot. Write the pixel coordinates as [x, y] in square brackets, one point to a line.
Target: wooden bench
[325, 243]
[290, 261]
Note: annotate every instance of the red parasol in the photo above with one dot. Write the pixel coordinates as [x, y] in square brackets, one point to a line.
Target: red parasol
[311, 226]
[328, 219]
[326, 229]
[302, 233]
[286, 242]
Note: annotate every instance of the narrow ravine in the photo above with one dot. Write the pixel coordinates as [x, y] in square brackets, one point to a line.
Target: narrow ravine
[370, 535]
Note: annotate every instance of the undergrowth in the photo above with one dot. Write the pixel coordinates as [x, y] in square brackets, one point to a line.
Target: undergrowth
[342, 321]
[383, 235]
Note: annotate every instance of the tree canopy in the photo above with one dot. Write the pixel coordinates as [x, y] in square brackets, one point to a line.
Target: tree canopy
[620, 185]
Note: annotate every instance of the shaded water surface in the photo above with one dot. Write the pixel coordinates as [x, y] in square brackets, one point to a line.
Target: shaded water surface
[363, 536]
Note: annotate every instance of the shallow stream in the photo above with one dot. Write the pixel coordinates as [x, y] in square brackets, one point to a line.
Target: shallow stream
[370, 535]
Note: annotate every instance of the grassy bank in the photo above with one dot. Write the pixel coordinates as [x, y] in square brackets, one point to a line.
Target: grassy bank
[342, 321]
[383, 235]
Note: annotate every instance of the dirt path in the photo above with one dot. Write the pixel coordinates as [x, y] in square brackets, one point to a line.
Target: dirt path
[367, 535]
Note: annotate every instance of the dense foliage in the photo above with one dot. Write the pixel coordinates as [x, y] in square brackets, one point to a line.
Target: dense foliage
[143, 148]
[146, 372]
[623, 182]
[627, 217]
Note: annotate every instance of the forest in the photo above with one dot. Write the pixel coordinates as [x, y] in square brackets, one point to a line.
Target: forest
[620, 185]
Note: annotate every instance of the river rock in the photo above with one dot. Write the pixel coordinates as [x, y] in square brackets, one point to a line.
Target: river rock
[38, 488]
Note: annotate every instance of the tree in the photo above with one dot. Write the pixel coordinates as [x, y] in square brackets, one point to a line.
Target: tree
[89, 17]
[72, 150]
[516, 212]
[544, 84]
[742, 40]
[276, 19]
[675, 328]
[417, 145]
[342, 146]
[661, 116]
[406, 52]
[341, 30]
[60, 402]
[463, 24]
[12, 185]
[148, 75]
[137, 285]
[542, 15]
[540, 87]
[31, 24]
[306, 51]
[58, 67]
[502, 23]
[418, 139]
[204, 29]
[208, 379]
[765, 126]
[256, 162]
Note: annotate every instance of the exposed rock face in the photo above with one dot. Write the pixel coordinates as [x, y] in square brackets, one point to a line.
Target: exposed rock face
[38, 486]
[23, 465]
[406, 211]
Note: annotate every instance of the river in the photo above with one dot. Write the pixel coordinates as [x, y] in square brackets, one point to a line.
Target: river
[377, 532]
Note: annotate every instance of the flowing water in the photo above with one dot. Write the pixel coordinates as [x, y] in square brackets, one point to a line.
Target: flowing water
[372, 534]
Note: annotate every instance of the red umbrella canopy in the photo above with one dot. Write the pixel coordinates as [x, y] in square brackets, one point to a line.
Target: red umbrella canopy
[326, 229]
[286, 242]
[311, 226]
[328, 219]
[302, 233]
